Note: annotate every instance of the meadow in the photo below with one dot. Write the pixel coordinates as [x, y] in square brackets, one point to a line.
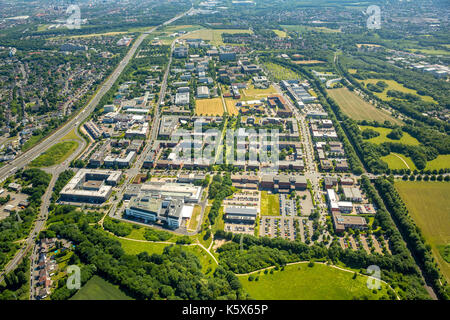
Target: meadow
[55, 155]
[301, 282]
[441, 162]
[429, 205]
[270, 205]
[99, 289]
[358, 109]
[394, 85]
[398, 161]
[279, 72]
[405, 139]
[231, 106]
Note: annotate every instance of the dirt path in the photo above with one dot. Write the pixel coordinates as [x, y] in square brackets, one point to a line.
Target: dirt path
[402, 160]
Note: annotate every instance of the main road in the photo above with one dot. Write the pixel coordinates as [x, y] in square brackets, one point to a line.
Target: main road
[28, 156]
[22, 160]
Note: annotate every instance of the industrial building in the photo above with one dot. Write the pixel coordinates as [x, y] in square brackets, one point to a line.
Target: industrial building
[91, 186]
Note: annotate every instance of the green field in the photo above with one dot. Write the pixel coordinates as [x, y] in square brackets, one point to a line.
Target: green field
[398, 161]
[98, 289]
[214, 36]
[279, 72]
[56, 154]
[270, 205]
[429, 205]
[300, 282]
[394, 85]
[299, 28]
[441, 162]
[136, 247]
[356, 108]
[405, 139]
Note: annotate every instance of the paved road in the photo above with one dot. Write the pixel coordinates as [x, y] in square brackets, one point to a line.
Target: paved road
[22, 160]
[28, 156]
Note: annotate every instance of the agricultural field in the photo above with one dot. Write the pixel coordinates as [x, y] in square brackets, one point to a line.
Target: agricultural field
[98, 289]
[358, 109]
[301, 282]
[308, 62]
[441, 162]
[398, 161]
[299, 28]
[280, 33]
[279, 72]
[394, 85]
[405, 139]
[251, 93]
[270, 205]
[231, 106]
[56, 154]
[209, 107]
[429, 205]
[214, 36]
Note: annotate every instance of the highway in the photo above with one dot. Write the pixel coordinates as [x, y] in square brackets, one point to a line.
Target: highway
[83, 114]
[22, 160]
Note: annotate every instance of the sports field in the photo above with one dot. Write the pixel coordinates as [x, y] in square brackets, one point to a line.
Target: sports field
[394, 85]
[213, 35]
[405, 139]
[398, 161]
[98, 289]
[358, 109]
[209, 107]
[56, 154]
[429, 205]
[300, 282]
[270, 205]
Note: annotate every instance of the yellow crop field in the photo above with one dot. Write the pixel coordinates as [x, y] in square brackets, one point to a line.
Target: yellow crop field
[231, 106]
[209, 107]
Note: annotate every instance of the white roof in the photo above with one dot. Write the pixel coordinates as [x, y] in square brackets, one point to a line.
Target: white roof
[186, 211]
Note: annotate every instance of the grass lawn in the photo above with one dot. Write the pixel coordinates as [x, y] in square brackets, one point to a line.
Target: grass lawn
[441, 162]
[300, 282]
[56, 154]
[270, 205]
[136, 247]
[195, 219]
[394, 85]
[209, 107]
[358, 109]
[98, 289]
[405, 139]
[72, 135]
[429, 205]
[213, 35]
[398, 161]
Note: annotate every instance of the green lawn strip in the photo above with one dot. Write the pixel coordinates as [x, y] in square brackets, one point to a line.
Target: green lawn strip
[270, 205]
